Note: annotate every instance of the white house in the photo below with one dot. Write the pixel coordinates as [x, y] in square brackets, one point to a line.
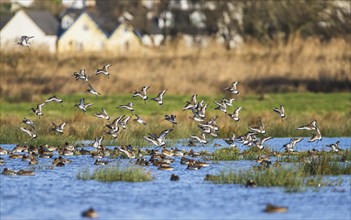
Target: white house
[123, 39]
[84, 35]
[40, 24]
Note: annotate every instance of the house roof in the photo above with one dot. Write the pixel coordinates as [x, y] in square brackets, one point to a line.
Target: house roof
[108, 28]
[74, 12]
[4, 19]
[45, 20]
[76, 15]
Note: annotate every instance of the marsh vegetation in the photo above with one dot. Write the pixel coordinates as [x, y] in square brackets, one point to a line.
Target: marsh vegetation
[115, 173]
[80, 127]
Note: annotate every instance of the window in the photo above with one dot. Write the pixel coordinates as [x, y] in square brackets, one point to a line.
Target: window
[85, 27]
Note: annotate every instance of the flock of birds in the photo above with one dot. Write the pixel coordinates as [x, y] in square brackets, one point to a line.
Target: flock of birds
[254, 137]
[198, 109]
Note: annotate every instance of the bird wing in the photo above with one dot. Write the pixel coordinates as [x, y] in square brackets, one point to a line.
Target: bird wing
[277, 110]
[91, 87]
[236, 112]
[282, 109]
[39, 106]
[234, 84]
[104, 112]
[164, 133]
[62, 125]
[145, 88]
[81, 101]
[162, 93]
[29, 132]
[89, 104]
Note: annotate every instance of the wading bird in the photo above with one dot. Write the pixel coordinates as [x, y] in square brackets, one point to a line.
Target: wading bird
[38, 110]
[103, 114]
[280, 111]
[29, 122]
[104, 70]
[58, 128]
[142, 94]
[159, 97]
[82, 106]
[31, 133]
[232, 89]
[24, 41]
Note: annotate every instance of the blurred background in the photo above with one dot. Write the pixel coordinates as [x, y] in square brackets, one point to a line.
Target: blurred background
[185, 46]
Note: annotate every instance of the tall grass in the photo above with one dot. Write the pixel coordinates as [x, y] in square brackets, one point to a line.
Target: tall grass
[115, 173]
[298, 65]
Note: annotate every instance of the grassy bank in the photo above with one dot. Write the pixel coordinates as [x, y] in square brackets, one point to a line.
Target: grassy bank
[298, 65]
[333, 119]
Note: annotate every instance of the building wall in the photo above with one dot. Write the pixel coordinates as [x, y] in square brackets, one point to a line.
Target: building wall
[21, 24]
[83, 36]
[124, 40]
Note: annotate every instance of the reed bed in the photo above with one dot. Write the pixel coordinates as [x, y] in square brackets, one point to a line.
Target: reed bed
[296, 66]
[114, 174]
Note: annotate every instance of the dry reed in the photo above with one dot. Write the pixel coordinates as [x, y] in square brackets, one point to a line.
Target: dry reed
[298, 65]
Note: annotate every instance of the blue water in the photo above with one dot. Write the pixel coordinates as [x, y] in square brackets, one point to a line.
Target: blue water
[57, 194]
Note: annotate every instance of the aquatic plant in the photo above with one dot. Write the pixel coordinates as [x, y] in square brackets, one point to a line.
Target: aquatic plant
[292, 179]
[269, 177]
[228, 153]
[115, 173]
[303, 156]
[323, 166]
[253, 152]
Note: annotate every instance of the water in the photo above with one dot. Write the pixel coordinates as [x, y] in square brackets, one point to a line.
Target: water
[57, 194]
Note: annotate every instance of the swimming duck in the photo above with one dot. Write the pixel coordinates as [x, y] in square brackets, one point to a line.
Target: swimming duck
[90, 213]
[100, 162]
[174, 177]
[3, 151]
[7, 171]
[25, 173]
[250, 183]
[165, 167]
[273, 208]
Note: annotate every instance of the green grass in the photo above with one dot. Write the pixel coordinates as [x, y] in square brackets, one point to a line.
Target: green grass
[296, 104]
[301, 108]
[330, 156]
[309, 171]
[268, 177]
[292, 179]
[322, 165]
[230, 153]
[114, 174]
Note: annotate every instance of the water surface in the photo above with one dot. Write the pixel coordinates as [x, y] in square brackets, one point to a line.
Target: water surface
[58, 194]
